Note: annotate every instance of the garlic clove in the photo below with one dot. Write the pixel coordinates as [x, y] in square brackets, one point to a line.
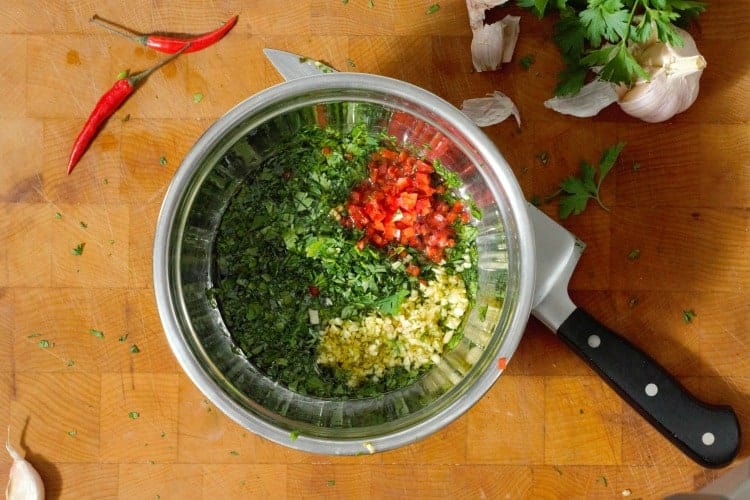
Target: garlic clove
[24, 482]
[494, 44]
[592, 98]
[486, 111]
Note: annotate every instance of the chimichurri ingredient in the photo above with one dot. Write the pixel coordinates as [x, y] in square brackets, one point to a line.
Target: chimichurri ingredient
[575, 192]
[401, 203]
[107, 105]
[171, 44]
[414, 337]
[296, 262]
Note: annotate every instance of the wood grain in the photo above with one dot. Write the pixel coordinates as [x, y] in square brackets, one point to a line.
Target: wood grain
[115, 416]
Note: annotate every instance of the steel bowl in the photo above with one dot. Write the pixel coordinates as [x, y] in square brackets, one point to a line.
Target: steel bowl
[183, 269]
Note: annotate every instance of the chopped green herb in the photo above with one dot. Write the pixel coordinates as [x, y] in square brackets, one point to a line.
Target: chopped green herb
[96, 333]
[688, 315]
[197, 97]
[603, 480]
[433, 8]
[483, 312]
[78, 249]
[73, 433]
[134, 349]
[83, 225]
[111, 242]
[294, 435]
[575, 192]
[234, 453]
[527, 61]
[331, 482]
[123, 337]
[58, 215]
[634, 254]
[45, 344]
[543, 157]
[350, 63]
[162, 160]
[126, 118]
[34, 335]
[345, 2]
[535, 200]
[71, 362]
[134, 415]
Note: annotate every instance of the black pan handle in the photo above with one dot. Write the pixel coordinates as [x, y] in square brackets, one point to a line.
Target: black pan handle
[708, 434]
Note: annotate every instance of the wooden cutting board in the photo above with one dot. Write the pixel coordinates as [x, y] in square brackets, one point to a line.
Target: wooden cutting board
[100, 420]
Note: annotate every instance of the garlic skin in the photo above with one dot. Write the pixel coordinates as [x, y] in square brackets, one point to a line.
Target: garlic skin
[674, 84]
[495, 108]
[494, 44]
[592, 98]
[24, 482]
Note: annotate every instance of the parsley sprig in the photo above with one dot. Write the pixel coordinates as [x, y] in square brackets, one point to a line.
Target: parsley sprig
[575, 192]
[600, 34]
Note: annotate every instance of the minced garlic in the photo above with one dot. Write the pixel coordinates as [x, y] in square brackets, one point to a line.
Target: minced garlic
[427, 321]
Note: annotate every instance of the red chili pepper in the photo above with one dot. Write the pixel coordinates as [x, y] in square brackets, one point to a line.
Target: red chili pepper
[171, 44]
[107, 105]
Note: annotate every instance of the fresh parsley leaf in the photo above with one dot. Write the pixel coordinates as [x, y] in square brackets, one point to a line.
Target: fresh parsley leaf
[537, 6]
[622, 68]
[433, 8]
[575, 192]
[605, 20]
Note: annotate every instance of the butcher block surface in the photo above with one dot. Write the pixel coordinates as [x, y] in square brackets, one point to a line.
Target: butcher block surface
[90, 388]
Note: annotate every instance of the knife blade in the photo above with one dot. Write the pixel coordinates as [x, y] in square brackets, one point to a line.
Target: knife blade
[709, 434]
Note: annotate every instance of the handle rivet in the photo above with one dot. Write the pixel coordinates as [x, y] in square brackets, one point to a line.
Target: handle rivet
[594, 341]
[652, 389]
[708, 438]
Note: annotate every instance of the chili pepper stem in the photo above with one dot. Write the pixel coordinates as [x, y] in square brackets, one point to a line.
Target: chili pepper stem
[141, 39]
[134, 79]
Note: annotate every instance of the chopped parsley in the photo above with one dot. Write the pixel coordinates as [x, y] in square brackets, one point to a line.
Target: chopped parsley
[134, 349]
[527, 61]
[96, 333]
[433, 8]
[45, 344]
[78, 249]
[688, 315]
[133, 415]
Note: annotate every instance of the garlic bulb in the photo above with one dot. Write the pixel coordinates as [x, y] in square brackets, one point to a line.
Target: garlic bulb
[672, 87]
[674, 80]
[24, 482]
[491, 44]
